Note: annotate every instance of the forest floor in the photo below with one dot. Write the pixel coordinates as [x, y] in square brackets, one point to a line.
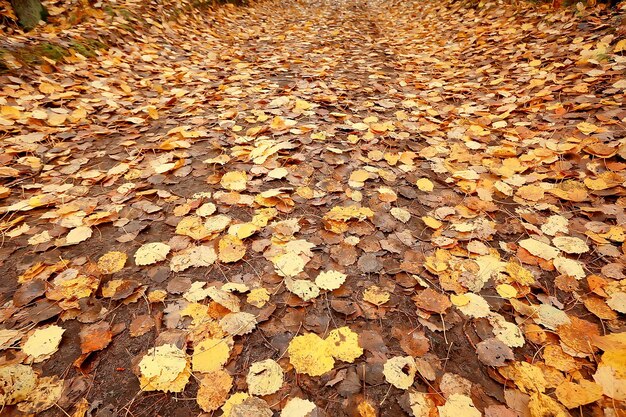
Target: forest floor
[340, 208]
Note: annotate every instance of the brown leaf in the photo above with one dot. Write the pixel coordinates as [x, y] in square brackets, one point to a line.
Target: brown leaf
[95, 337]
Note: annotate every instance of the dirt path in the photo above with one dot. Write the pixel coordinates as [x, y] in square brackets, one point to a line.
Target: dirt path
[460, 169]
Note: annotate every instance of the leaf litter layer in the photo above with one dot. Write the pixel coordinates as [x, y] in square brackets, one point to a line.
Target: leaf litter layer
[320, 208]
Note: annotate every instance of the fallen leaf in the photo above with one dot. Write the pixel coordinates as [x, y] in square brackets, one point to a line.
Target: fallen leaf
[151, 253]
[164, 368]
[214, 389]
[400, 371]
[43, 343]
[264, 377]
[310, 354]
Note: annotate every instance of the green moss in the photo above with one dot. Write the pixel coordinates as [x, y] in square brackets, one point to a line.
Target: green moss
[34, 54]
[50, 50]
[87, 47]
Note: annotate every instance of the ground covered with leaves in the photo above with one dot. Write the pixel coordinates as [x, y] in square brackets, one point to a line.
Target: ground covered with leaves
[317, 208]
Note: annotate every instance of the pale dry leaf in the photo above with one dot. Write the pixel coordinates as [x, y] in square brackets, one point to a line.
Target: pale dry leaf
[46, 394]
[17, 381]
[151, 253]
[238, 324]
[306, 290]
[78, 234]
[571, 245]
[265, 377]
[330, 280]
[43, 342]
[569, 267]
[400, 371]
[297, 407]
[288, 264]
[400, 214]
[458, 405]
[539, 249]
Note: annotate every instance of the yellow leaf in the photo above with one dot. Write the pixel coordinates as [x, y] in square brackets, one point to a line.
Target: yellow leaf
[233, 400]
[157, 296]
[10, 112]
[47, 88]
[164, 368]
[193, 227]
[231, 249]
[234, 181]
[344, 344]
[519, 274]
[587, 128]
[424, 184]
[112, 262]
[56, 119]
[431, 222]
[366, 409]
[459, 300]
[211, 354]
[376, 295]
[214, 389]
[506, 291]
[242, 230]
[288, 264]
[541, 405]
[528, 378]
[258, 297]
[310, 354]
[573, 395]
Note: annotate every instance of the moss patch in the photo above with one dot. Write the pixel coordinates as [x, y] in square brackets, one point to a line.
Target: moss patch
[33, 55]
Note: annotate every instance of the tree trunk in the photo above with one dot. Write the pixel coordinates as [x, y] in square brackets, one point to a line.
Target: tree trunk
[29, 12]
